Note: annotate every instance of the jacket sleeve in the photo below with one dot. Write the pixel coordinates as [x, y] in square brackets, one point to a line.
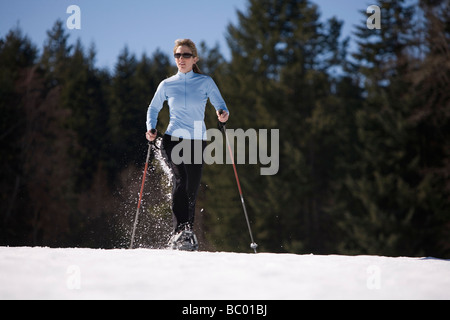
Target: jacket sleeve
[155, 106]
[215, 97]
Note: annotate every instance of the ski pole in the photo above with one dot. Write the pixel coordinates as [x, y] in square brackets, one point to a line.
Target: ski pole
[149, 153]
[222, 126]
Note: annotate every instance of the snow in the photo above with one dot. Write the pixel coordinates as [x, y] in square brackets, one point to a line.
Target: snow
[77, 273]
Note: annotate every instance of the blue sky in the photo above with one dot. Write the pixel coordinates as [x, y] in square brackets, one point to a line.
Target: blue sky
[145, 25]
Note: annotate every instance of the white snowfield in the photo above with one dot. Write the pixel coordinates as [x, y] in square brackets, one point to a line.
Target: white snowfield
[45, 273]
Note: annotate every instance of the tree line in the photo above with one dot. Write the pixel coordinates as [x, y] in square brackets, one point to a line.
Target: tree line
[364, 136]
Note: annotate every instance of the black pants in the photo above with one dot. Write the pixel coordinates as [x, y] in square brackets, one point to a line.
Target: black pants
[186, 178]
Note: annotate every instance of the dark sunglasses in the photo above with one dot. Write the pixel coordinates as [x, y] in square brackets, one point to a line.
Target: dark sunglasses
[184, 55]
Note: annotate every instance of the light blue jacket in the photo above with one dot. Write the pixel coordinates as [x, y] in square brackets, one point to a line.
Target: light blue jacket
[187, 94]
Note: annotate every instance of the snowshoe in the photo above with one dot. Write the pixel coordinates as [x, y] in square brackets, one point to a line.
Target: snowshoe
[184, 240]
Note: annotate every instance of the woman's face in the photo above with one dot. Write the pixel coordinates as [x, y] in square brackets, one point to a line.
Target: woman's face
[185, 65]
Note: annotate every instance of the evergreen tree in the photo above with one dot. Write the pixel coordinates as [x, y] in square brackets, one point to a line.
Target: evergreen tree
[125, 110]
[83, 95]
[17, 56]
[42, 189]
[278, 79]
[56, 54]
[388, 209]
[429, 78]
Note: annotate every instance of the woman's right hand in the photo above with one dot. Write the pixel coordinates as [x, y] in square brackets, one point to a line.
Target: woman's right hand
[151, 134]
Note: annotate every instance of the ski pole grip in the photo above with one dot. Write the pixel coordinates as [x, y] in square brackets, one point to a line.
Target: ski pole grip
[152, 131]
[221, 124]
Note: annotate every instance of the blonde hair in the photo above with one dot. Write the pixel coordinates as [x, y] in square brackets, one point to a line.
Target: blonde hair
[188, 43]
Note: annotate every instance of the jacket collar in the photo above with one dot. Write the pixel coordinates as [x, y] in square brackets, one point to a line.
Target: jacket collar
[188, 75]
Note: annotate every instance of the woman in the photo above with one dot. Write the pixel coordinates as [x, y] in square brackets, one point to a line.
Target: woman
[187, 93]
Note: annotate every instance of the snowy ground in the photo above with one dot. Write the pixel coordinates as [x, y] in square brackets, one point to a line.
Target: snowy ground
[44, 273]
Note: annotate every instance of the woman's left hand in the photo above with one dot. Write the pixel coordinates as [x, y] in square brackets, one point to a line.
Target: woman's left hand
[222, 117]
